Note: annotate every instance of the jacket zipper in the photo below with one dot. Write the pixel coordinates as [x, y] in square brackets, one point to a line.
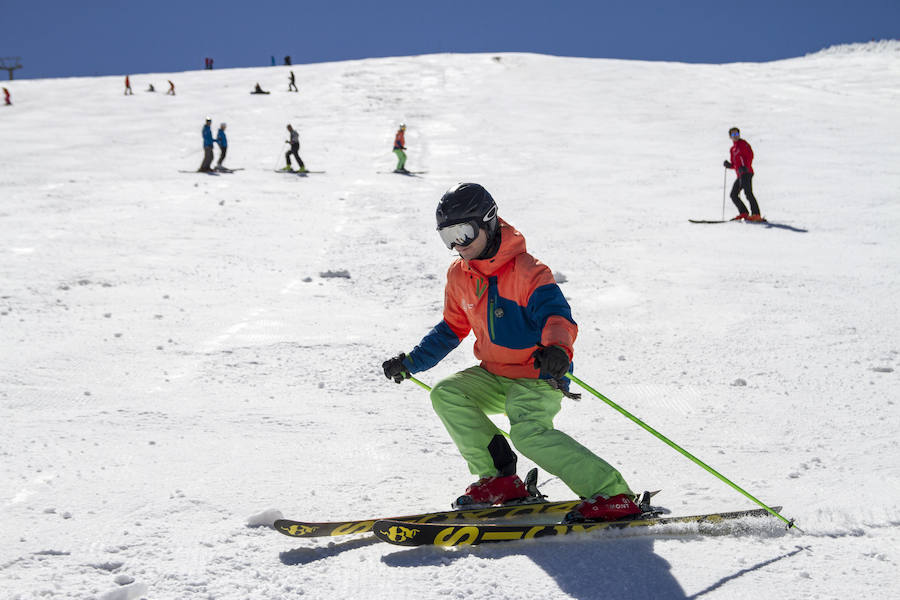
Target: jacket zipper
[492, 303]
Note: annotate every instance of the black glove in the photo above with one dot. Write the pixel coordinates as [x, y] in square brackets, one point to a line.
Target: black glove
[394, 369]
[743, 170]
[728, 165]
[551, 360]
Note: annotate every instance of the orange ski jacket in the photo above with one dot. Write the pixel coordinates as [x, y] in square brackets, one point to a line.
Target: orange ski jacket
[511, 302]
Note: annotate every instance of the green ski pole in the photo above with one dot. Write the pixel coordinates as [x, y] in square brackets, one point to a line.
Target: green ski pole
[790, 522]
[424, 386]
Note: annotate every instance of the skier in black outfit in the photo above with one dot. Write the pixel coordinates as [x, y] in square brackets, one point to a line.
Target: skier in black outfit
[293, 84]
[294, 151]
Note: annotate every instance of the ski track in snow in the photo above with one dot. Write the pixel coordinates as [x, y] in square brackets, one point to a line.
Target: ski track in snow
[183, 355]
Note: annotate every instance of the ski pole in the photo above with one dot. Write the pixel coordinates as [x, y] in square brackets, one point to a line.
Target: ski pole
[424, 386]
[278, 162]
[724, 181]
[790, 522]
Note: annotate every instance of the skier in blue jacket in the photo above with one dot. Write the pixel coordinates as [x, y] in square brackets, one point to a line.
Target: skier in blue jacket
[206, 167]
[222, 141]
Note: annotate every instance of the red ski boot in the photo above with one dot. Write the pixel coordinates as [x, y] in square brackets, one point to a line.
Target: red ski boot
[601, 508]
[494, 490]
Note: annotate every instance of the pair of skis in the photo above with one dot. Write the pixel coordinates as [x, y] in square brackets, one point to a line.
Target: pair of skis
[725, 221]
[296, 172]
[470, 526]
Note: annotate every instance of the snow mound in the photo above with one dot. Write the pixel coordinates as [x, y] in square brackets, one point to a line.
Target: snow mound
[126, 592]
[266, 518]
[873, 47]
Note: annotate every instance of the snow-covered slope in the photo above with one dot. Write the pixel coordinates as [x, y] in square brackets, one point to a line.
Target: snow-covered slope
[179, 352]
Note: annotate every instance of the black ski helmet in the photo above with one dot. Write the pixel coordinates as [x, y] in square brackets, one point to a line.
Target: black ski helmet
[465, 202]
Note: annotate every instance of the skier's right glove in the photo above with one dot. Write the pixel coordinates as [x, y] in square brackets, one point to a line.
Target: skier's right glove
[728, 165]
[395, 369]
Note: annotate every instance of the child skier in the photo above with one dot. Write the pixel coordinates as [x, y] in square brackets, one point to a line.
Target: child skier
[222, 141]
[524, 336]
[399, 147]
[294, 151]
[742, 163]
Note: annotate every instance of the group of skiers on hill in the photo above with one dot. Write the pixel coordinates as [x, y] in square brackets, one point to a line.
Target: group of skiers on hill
[150, 88]
[293, 151]
[741, 161]
[292, 86]
[220, 139]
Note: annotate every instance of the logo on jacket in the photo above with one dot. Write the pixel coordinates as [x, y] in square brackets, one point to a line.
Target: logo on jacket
[481, 286]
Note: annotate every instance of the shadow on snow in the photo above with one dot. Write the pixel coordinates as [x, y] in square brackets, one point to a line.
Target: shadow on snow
[582, 569]
[304, 556]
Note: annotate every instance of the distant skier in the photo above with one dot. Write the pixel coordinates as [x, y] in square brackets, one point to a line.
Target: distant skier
[293, 84]
[222, 141]
[171, 91]
[524, 338]
[399, 147]
[287, 60]
[150, 88]
[6, 98]
[742, 163]
[128, 91]
[258, 90]
[206, 167]
[294, 151]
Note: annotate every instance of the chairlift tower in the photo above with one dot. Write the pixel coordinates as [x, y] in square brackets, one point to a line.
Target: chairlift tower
[10, 64]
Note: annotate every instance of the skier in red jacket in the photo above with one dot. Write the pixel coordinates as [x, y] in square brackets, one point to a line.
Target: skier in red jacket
[742, 163]
[6, 97]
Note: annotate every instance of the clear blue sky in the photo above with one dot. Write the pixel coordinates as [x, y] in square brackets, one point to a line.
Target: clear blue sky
[60, 38]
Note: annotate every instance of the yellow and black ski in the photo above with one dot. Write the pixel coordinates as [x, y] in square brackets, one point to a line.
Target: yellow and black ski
[509, 511]
[408, 533]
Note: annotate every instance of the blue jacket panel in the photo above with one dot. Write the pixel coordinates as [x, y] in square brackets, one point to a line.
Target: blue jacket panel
[436, 344]
[207, 136]
[221, 139]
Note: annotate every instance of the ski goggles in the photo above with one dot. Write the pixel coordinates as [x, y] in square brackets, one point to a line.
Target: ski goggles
[735, 134]
[460, 234]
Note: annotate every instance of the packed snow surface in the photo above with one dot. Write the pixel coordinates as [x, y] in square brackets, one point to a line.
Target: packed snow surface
[185, 357]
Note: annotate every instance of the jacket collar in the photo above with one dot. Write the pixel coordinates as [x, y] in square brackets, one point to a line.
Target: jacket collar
[512, 243]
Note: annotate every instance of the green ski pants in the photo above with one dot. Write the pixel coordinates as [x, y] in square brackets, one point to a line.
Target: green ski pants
[401, 158]
[463, 401]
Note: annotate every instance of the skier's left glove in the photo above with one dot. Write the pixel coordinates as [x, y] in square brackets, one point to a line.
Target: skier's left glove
[728, 165]
[395, 369]
[551, 360]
